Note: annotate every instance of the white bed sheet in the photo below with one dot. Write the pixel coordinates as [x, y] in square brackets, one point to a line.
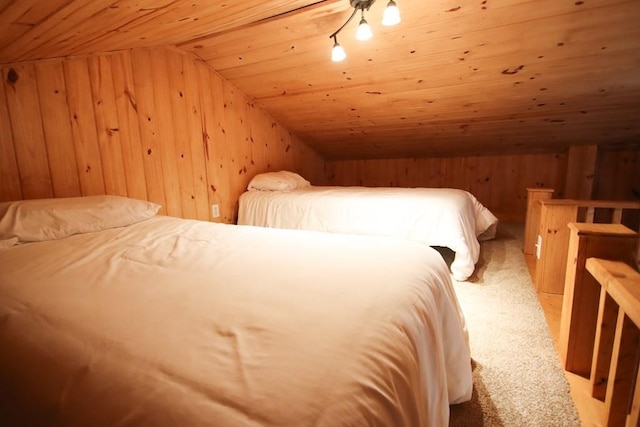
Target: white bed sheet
[443, 217]
[178, 322]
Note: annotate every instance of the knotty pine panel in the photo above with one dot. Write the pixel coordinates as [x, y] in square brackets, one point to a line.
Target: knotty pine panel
[498, 182]
[126, 107]
[165, 135]
[106, 122]
[152, 124]
[145, 107]
[10, 188]
[618, 174]
[58, 134]
[83, 125]
[186, 100]
[26, 131]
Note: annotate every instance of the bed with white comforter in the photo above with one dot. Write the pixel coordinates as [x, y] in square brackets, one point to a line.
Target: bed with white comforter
[443, 217]
[166, 321]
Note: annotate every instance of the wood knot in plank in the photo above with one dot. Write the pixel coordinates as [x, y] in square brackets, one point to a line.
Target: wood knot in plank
[12, 76]
[508, 71]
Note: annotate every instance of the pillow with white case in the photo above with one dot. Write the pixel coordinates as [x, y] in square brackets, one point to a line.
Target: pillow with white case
[277, 181]
[49, 219]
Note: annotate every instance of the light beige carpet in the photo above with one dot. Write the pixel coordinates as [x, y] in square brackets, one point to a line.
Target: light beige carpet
[518, 380]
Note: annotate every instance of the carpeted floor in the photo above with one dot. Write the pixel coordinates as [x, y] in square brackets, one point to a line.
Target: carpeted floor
[518, 380]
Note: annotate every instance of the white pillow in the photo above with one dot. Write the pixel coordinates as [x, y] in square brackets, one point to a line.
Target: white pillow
[48, 219]
[277, 181]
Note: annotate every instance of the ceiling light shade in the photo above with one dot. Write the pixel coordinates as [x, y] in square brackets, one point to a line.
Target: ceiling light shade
[337, 53]
[391, 14]
[364, 30]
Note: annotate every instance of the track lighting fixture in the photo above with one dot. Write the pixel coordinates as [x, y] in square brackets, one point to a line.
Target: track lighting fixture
[391, 17]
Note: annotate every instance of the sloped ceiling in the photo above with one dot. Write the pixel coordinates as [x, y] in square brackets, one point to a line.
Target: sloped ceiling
[453, 78]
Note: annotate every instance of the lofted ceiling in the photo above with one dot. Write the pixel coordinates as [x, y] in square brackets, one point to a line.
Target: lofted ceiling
[453, 78]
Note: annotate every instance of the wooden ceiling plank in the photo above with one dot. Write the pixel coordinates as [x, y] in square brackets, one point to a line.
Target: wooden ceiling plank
[187, 20]
[514, 51]
[555, 26]
[36, 40]
[309, 10]
[289, 29]
[328, 129]
[522, 120]
[127, 24]
[112, 19]
[311, 123]
[157, 27]
[20, 16]
[441, 141]
[12, 24]
[546, 75]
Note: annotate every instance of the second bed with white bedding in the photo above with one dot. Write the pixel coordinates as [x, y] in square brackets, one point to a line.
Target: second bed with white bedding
[443, 217]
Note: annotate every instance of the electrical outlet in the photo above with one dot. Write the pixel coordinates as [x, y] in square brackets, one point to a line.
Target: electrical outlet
[215, 210]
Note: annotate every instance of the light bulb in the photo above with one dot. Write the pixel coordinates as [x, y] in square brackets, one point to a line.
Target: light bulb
[364, 30]
[391, 14]
[337, 53]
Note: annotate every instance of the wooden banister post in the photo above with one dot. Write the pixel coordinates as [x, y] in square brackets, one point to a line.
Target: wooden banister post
[555, 214]
[532, 220]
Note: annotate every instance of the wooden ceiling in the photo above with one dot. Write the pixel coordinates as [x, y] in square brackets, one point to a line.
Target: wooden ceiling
[453, 78]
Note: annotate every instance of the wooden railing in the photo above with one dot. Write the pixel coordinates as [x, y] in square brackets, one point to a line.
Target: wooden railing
[615, 374]
[599, 336]
[582, 293]
[547, 232]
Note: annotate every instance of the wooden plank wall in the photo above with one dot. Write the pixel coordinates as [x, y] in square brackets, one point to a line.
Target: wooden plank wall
[581, 165]
[618, 173]
[152, 124]
[498, 182]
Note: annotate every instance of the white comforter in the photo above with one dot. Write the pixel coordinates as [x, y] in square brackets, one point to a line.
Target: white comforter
[176, 322]
[436, 216]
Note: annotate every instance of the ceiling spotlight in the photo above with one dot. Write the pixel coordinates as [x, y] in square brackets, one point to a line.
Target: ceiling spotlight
[337, 53]
[391, 14]
[364, 30]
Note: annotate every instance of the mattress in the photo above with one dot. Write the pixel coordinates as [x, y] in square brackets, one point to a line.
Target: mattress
[180, 322]
[442, 217]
